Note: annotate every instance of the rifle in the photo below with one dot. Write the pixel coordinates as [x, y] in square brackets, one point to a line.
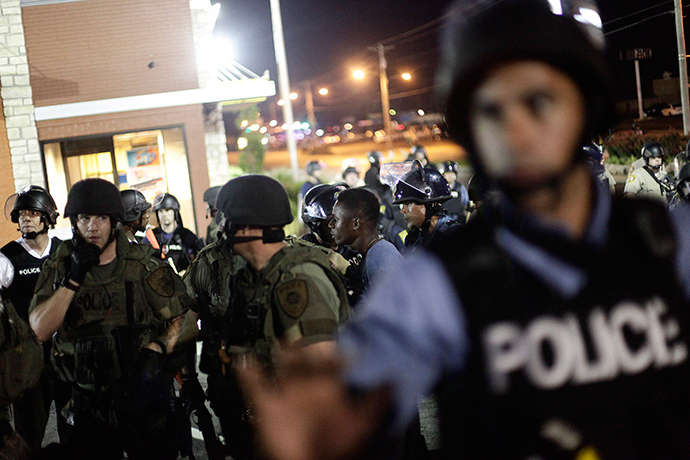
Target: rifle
[195, 407]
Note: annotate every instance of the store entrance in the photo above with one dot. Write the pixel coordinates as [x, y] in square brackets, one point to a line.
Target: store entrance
[88, 158]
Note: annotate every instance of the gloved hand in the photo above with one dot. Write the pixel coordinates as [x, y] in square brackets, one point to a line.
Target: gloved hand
[155, 383]
[84, 256]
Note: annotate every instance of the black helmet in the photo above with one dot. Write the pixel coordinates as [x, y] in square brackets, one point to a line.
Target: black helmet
[421, 185]
[211, 194]
[594, 155]
[255, 200]
[166, 201]
[684, 183]
[375, 158]
[449, 167]
[652, 150]
[96, 197]
[33, 198]
[565, 34]
[135, 204]
[312, 167]
[319, 201]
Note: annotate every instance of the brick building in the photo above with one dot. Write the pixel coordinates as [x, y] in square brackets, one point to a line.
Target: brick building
[115, 89]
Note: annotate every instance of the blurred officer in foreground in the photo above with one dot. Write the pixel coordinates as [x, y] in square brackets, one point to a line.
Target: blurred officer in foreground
[456, 206]
[136, 215]
[115, 311]
[210, 196]
[534, 347]
[372, 178]
[34, 212]
[283, 294]
[178, 244]
[420, 194]
[650, 181]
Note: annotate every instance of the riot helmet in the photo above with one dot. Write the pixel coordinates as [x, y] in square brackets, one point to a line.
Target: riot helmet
[449, 167]
[312, 167]
[254, 200]
[483, 33]
[33, 198]
[421, 185]
[167, 201]
[135, 205]
[652, 150]
[210, 196]
[375, 158]
[95, 197]
[318, 203]
[594, 155]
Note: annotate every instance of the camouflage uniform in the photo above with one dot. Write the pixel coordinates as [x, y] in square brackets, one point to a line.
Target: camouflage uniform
[296, 297]
[136, 289]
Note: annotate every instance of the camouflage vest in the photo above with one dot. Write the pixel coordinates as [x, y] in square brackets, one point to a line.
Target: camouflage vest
[84, 348]
[251, 323]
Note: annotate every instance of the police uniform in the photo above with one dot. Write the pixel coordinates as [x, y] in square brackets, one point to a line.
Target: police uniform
[643, 183]
[20, 267]
[136, 289]
[296, 297]
[561, 329]
[178, 245]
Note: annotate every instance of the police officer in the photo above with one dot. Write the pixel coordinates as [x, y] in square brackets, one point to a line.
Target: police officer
[543, 351]
[286, 293]
[210, 196]
[650, 181]
[456, 206]
[317, 212]
[372, 178]
[114, 310]
[420, 194]
[34, 212]
[682, 195]
[136, 214]
[177, 243]
[594, 154]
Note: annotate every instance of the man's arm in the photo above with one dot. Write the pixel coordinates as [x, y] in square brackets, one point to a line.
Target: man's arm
[6, 271]
[48, 316]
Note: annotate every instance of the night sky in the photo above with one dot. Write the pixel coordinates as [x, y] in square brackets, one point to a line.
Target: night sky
[326, 40]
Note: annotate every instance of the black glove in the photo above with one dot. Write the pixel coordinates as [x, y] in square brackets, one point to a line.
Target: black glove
[84, 256]
[155, 381]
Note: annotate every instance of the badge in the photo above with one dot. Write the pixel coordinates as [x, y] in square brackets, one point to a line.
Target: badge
[293, 298]
[162, 283]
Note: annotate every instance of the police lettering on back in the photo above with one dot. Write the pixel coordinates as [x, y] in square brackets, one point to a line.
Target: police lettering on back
[512, 350]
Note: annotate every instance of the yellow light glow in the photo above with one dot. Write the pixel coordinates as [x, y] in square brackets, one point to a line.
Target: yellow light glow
[244, 124]
[281, 102]
[347, 126]
[273, 123]
[358, 74]
[406, 76]
[323, 91]
[292, 96]
[242, 143]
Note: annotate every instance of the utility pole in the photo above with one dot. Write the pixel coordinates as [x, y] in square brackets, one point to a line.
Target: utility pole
[284, 83]
[385, 98]
[309, 102]
[682, 66]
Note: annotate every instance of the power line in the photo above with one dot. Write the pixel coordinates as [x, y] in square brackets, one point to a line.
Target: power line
[637, 12]
[637, 23]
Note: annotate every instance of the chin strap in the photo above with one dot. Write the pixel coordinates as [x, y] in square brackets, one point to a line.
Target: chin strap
[270, 235]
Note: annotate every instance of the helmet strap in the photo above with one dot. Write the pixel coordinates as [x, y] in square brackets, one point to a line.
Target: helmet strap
[33, 235]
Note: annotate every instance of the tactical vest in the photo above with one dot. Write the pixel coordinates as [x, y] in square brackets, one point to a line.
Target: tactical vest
[84, 350]
[251, 322]
[175, 248]
[604, 374]
[214, 272]
[26, 271]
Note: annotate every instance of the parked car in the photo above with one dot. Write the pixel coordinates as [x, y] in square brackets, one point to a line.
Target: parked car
[663, 109]
[671, 110]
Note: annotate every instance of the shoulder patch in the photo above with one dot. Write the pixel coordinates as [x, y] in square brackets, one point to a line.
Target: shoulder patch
[293, 298]
[162, 282]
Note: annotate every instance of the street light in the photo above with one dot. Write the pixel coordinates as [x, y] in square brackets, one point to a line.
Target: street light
[406, 76]
[323, 91]
[358, 74]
